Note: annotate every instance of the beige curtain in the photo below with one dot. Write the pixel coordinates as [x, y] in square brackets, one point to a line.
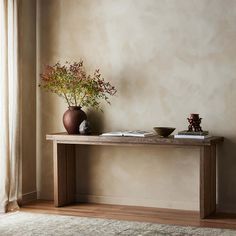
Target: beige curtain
[10, 108]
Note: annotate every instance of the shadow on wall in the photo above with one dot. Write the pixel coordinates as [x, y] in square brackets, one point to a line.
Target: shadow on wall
[226, 176]
[47, 110]
[96, 120]
[83, 173]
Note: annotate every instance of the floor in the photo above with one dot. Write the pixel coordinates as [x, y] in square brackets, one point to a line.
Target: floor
[134, 213]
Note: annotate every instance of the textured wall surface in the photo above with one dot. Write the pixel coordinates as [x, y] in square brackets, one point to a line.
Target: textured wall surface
[167, 59]
[27, 49]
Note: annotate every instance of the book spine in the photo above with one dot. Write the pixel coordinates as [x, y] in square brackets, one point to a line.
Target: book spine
[190, 136]
[193, 133]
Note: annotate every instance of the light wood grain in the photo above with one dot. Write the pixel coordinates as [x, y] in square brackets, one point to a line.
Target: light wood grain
[64, 174]
[134, 213]
[207, 181]
[64, 163]
[153, 140]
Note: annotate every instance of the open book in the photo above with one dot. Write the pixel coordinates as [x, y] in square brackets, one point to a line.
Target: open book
[135, 133]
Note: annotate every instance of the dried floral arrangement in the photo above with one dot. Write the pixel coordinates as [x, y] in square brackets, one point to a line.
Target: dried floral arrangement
[71, 82]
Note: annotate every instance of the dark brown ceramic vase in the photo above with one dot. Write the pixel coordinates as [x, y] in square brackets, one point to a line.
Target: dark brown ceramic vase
[72, 119]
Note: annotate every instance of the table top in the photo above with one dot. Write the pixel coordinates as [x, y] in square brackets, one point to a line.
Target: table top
[65, 138]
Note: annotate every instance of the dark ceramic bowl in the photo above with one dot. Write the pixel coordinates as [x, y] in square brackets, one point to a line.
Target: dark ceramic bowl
[164, 131]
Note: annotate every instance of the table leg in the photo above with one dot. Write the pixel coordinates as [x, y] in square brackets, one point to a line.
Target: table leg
[207, 181]
[64, 173]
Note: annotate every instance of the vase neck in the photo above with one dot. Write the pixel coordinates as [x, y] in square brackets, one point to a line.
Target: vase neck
[74, 108]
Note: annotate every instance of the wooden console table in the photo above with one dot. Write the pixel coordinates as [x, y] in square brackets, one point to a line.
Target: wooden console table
[64, 163]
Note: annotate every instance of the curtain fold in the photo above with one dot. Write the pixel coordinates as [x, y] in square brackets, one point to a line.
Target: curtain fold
[10, 108]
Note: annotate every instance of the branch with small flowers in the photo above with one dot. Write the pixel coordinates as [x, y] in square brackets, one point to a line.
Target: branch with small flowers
[71, 82]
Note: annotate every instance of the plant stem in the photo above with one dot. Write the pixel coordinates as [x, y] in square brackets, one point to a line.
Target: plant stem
[75, 98]
[82, 99]
[67, 100]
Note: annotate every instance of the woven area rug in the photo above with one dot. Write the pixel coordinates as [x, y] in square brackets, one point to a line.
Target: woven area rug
[27, 224]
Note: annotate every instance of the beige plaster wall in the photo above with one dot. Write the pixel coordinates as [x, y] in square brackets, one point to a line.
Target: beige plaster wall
[167, 59]
[27, 49]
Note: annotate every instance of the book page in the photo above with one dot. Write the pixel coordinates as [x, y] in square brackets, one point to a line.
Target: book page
[134, 133]
[115, 133]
